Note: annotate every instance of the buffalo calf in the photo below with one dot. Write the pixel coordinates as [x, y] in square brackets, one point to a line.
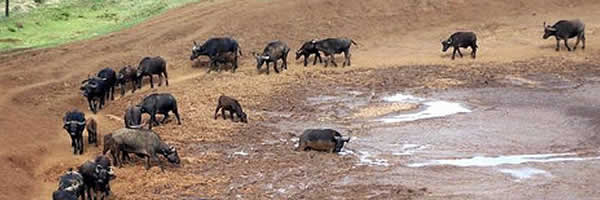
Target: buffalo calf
[92, 130]
[225, 103]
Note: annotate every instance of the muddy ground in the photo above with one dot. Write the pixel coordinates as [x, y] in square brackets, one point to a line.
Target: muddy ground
[531, 119]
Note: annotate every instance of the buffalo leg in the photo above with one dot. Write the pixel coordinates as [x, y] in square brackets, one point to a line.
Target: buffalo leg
[333, 60]
[160, 80]
[231, 115]
[459, 53]
[319, 57]
[151, 81]
[122, 86]
[567, 45]
[155, 158]
[346, 58]
[176, 112]
[112, 93]
[306, 60]
[217, 110]
[223, 113]
[275, 67]
[166, 78]
[91, 104]
[166, 114]
[557, 44]
[583, 40]
[454, 53]
[285, 61]
[147, 162]
[473, 51]
[235, 63]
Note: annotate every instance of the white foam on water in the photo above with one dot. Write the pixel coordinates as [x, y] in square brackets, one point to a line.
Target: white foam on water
[432, 109]
[524, 173]
[482, 161]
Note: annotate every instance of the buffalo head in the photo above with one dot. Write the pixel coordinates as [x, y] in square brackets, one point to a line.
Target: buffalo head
[172, 155]
[446, 44]
[548, 31]
[196, 51]
[339, 143]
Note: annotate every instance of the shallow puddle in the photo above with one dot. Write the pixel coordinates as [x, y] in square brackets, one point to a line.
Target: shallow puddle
[525, 173]
[429, 109]
[482, 161]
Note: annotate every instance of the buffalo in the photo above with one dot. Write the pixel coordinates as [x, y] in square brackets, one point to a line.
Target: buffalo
[150, 66]
[133, 117]
[109, 76]
[565, 29]
[327, 140]
[92, 130]
[273, 52]
[74, 123]
[145, 143]
[159, 103]
[461, 40]
[70, 186]
[332, 46]
[95, 90]
[96, 177]
[233, 106]
[307, 49]
[127, 74]
[214, 47]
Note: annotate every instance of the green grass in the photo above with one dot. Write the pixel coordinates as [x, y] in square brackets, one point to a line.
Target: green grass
[75, 20]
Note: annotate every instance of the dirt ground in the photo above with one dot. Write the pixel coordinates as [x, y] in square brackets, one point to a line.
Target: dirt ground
[398, 51]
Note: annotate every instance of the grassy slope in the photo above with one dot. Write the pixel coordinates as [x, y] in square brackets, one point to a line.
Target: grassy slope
[77, 19]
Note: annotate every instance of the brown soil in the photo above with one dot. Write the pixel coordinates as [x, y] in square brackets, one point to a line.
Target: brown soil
[398, 50]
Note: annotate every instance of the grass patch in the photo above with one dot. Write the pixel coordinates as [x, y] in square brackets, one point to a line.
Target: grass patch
[60, 23]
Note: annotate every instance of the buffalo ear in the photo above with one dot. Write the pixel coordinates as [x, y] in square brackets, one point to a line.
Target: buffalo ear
[195, 44]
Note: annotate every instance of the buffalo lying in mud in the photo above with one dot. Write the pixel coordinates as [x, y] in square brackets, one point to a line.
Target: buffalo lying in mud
[327, 140]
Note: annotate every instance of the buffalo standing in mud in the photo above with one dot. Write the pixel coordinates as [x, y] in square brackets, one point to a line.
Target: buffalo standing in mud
[70, 187]
[150, 66]
[97, 175]
[307, 49]
[327, 140]
[125, 75]
[565, 29]
[332, 46]
[274, 51]
[92, 130]
[145, 143]
[74, 124]
[461, 40]
[215, 47]
[226, 103]
[159, 103]
[133, 117]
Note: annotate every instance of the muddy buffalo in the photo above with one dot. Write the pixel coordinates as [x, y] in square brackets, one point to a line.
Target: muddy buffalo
[327, 140]
[145, 143]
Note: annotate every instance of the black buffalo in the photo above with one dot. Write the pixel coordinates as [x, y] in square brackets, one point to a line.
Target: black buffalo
[159, 103]
[307, 49]
[70, 186]
[150, 66]
[332, 46]
[565, 29]
[217, 46]
[133, 117]
[274, 51]
[95, 90]
[461, 40]
[127, 74]
[225, 103]
[74, 123]
[97, 175]
[327, 140]
[109, 76]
